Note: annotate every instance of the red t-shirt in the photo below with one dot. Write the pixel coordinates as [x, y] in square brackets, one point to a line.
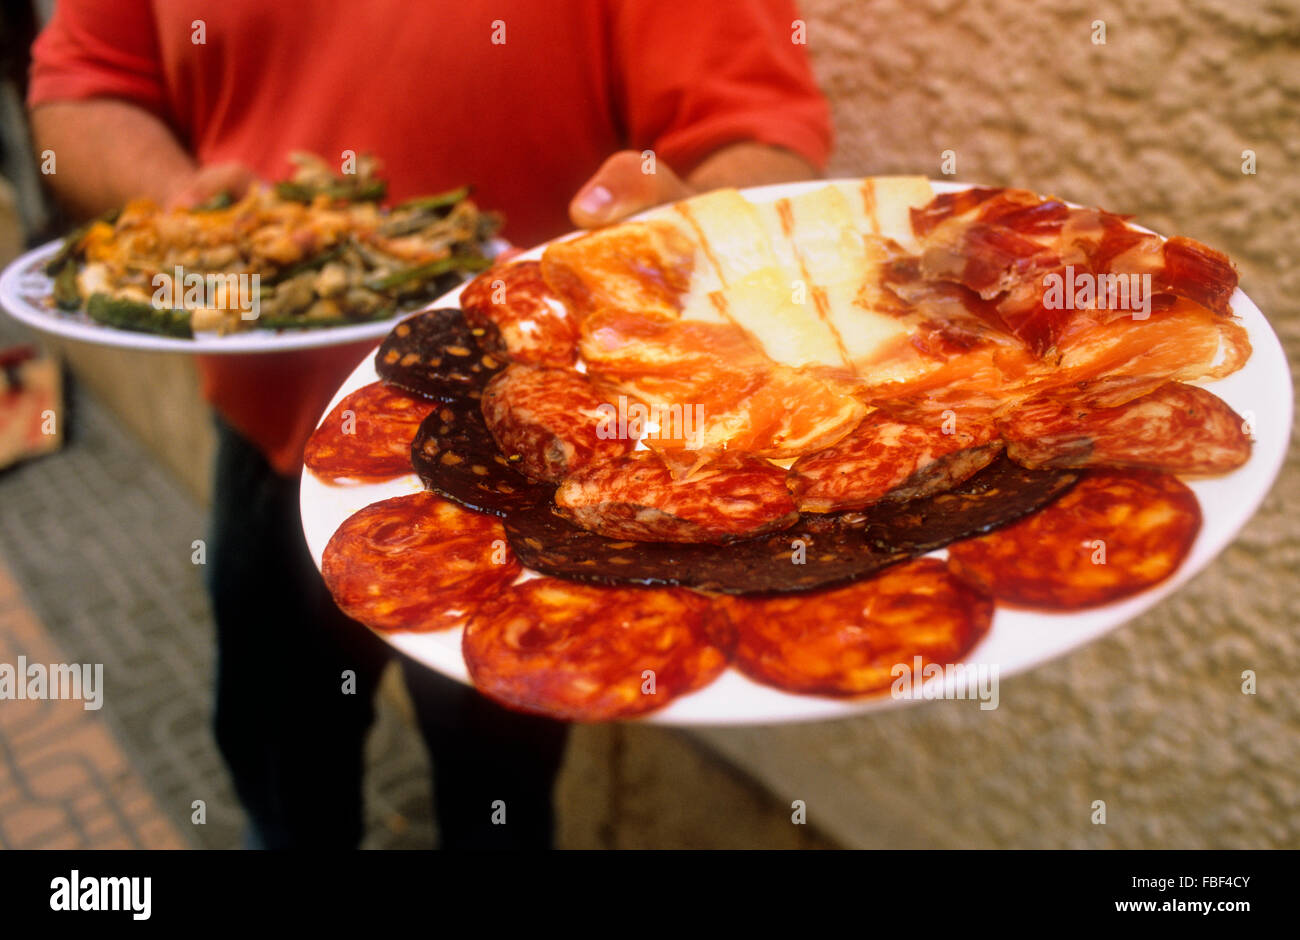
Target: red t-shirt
[424, 87]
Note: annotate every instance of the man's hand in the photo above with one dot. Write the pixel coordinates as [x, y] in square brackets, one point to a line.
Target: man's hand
[206, 182]
[109, 151]
[622, 187]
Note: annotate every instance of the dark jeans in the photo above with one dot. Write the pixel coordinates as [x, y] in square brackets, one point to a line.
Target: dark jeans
[293, 740]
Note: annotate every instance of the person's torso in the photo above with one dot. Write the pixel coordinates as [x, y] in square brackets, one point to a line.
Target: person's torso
[511, 96]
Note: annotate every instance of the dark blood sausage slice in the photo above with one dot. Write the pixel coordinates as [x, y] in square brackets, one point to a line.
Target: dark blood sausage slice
[846, 641]
[456, 457]
[553, 419]
[514, 298]
[887, 458]
[1176, 429]
[367, 436]
[636, 497]
[1114, 535]
[416, 562]
[582, 653]
[794, 560]
[996, 496]
[440, 355]
[819, 550]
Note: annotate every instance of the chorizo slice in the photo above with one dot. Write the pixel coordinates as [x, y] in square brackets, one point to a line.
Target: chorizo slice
[636, 497]
[889, 458]
[367, 436]
[455, 455]
[1176, 429]
[515, 299]
[1112, 536]
[583, 653]
[554, 419]
[416, 563]
[438, 354]
[846, 641]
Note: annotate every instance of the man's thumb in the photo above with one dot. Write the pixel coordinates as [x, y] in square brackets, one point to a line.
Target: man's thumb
[624, 185]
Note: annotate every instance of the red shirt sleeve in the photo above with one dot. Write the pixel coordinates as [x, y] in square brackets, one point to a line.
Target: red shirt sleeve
[695, 75]
[98, 50]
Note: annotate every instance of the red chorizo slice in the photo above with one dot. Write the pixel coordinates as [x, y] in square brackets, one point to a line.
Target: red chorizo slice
[553, 419]
[1176, 428]
[417, 563]
[636, 497]
[583, 653]
[1112, 536]
[888, 458]
[532, 320]
[846, 641]
[367, 436]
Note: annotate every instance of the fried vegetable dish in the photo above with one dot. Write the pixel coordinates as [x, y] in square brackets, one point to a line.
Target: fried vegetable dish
[316, 250]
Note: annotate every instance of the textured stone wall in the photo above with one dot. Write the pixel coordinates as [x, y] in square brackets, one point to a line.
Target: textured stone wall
[1151, 719]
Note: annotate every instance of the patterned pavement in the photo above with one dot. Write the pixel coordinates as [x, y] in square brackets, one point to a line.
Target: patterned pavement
[98, 536]
[64, 781]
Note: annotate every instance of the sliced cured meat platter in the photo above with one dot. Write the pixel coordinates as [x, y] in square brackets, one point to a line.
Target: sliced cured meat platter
[592, 579]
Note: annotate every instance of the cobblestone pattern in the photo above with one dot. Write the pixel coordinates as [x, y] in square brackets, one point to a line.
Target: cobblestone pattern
[64, 781]
[99, 538]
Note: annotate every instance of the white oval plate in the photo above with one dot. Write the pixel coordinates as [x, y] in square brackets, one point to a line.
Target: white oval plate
[1017, 640]
[25, 294]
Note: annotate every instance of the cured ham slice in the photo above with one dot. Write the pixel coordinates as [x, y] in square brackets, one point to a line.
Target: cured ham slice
[1056, 271]
[1183, 343]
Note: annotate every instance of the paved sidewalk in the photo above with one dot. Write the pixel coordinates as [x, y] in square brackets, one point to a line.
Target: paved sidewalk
[99, 538]
[65, 783]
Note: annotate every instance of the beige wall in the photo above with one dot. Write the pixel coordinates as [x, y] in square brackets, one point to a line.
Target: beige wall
[1152, 719]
